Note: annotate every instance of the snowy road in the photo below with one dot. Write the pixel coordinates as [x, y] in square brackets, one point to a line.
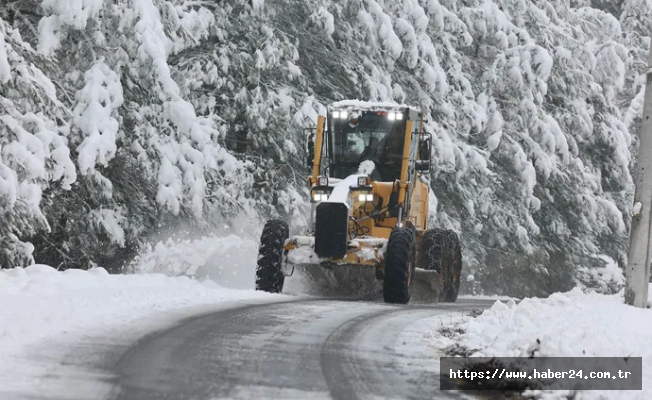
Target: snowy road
[306, 349]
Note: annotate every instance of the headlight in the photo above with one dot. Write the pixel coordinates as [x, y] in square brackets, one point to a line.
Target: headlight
[319, 196]
[391, 116]
[336, 114]
[366, 197]
[322, 181]
[343, 114]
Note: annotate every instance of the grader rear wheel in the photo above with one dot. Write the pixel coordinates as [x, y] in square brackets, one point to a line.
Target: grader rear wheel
[441, 251]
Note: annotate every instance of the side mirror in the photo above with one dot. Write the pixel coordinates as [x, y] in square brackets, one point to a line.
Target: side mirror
[310, 149]
[423, 165]
[425, 145]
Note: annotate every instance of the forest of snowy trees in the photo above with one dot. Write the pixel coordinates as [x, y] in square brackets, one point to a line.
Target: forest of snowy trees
[124, 118]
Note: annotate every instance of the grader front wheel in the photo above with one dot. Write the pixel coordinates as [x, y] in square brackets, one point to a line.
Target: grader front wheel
[400, 261]
[269, 277]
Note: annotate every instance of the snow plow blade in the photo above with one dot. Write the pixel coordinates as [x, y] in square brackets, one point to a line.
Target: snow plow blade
[427, 285]
[355, 275]
[429, 276]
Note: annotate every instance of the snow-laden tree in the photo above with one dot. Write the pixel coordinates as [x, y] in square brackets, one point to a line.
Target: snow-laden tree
[146, 157]
[504, 83]
[613, 7]
[185, 112]
[247, 74]
[635, 21]
[505, 162]
[561, 134]
[34, 154]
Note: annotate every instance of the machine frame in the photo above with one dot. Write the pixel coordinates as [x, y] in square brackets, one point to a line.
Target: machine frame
[410, 193]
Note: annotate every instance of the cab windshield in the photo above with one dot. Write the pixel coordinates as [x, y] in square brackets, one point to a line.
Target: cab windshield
[367, 136]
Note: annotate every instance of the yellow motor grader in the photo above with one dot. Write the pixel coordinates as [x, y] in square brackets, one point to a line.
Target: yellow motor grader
[370, 202]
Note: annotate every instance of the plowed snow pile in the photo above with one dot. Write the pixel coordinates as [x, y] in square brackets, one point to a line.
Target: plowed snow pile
[572, 324]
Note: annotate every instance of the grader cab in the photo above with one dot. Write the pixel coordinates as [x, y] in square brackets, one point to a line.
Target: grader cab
[369, 195]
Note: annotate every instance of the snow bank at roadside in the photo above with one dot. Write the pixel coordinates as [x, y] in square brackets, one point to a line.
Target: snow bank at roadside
[573, 324]
[39, 305]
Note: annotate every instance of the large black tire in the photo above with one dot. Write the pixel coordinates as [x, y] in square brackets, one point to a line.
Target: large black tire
[269, 277]
[441, 251]
[400, 261]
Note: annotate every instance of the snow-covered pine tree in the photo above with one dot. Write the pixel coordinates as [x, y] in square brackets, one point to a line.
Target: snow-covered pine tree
[34, 156]
[247, 74]
[198, 108]
[145, 155]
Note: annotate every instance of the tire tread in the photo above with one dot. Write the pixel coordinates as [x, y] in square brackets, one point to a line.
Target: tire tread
[400, 251]
[269, 277]
[441, 251]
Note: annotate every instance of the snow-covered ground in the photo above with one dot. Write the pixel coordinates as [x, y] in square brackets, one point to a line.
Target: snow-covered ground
[41, 308]
[43, 312]
[572, 324]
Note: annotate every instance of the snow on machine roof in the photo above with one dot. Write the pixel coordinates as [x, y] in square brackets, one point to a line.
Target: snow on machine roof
[369, 105]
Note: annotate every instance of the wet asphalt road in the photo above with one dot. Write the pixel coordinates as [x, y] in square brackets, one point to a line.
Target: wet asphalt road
[305, 349]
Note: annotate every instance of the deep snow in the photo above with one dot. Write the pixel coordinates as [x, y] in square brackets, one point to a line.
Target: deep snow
[44, 311]
[572, 324]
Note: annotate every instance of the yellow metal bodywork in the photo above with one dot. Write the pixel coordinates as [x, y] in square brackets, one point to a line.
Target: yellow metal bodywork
[319, 141]
[385, 224]
[417, 203]
[404, 166]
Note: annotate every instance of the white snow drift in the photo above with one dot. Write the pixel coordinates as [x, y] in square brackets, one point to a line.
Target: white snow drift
[41, 308]
[573, 324]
